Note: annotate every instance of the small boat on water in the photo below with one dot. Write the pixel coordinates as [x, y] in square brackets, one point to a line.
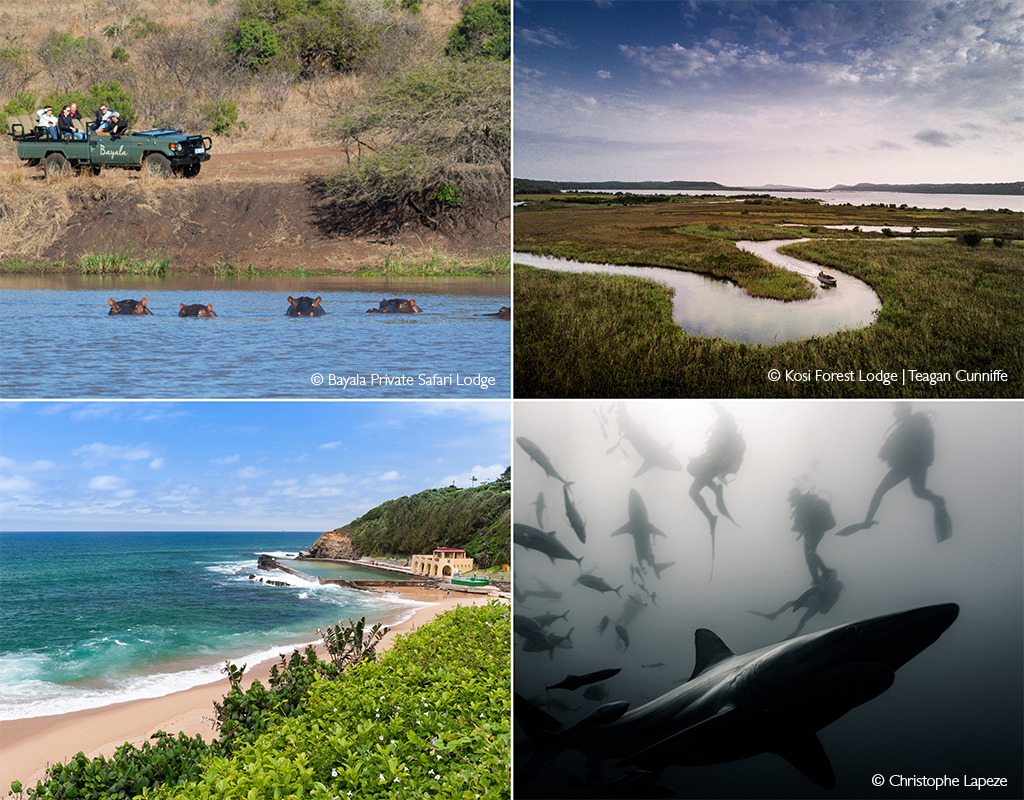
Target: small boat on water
[827, 281]
[470, 581]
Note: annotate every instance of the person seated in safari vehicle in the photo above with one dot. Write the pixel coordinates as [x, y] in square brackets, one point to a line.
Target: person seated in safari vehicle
[114, 125]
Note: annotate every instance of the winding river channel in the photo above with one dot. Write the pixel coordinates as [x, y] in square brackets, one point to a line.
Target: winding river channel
[706, 307]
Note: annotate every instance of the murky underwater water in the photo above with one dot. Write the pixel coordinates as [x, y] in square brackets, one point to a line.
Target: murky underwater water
[58, 340]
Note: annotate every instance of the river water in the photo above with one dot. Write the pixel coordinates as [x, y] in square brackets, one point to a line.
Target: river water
[706, 307]
[60, 342]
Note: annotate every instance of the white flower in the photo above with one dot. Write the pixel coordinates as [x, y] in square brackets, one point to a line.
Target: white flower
[334, 773]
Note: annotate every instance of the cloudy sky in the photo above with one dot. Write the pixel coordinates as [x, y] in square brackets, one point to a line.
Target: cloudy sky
[301, 466]
[806, 93]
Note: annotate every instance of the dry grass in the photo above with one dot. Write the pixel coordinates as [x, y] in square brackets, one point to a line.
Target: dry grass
[31, 217]
[278, 114]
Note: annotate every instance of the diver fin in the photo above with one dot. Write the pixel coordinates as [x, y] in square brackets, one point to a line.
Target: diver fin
[712, 575]
[807, 755]
[943, 524]
[859, 526]
[710, 651]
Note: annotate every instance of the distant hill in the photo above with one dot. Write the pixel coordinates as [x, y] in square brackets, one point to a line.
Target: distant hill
[1016, 188]
[477, 520]
[528, 186]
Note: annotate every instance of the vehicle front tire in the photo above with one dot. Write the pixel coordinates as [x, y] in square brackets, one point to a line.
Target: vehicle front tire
[191, 170]
[157, 165]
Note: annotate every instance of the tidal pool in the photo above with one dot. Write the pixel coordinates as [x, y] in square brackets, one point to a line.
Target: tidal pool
[59, 342]
[706, 307]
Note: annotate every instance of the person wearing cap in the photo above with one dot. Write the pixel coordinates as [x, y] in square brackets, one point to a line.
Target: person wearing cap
[116, 125]
[47, 120]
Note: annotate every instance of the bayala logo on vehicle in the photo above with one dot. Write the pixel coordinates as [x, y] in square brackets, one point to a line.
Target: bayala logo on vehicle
[118, 152]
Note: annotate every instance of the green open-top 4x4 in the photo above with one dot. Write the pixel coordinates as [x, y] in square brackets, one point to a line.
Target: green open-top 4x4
[160, 152]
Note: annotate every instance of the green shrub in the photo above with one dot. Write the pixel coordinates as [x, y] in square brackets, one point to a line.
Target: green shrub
[484, 31]
[430, 718]
[71, 61]
[221, 115]
[24, 102]
[254, 44]
[971, 238]
[119, 54]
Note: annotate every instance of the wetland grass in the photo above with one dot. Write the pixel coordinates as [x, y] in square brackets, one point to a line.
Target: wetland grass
[945, 308]
[123, 264]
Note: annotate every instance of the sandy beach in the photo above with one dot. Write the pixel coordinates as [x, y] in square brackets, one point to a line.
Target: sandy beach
[29, 746]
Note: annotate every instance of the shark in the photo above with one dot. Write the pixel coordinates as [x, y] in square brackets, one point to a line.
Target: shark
[646, 446]
[734, 706]
[537, 455]
[641, 529]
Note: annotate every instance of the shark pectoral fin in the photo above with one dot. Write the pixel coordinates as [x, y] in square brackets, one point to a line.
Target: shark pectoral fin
[646, 466]
[655, 532]
[943, 524]
[627, 528]
[807, 755]
[659, 567]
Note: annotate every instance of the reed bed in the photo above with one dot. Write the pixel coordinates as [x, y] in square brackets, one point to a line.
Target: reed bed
[945, 308]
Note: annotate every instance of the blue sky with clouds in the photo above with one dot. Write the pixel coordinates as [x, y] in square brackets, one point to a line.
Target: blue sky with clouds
[302, 466]
[806, 93]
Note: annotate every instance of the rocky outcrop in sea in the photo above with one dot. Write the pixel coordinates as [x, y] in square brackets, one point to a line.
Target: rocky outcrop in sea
[333, 544]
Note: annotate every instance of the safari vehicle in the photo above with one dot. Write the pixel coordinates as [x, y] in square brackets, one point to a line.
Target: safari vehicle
[161, 153]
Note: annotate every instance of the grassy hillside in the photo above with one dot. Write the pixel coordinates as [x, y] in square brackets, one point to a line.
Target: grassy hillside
[477, 520]
[255, 74]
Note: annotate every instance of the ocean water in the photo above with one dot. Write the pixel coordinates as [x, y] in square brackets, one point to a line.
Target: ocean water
[91, 619]
[953, 710]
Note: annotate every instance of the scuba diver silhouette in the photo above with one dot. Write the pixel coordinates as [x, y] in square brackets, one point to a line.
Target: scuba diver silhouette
[812, 516]
[909, 450]
[722, 457]
[819, 599]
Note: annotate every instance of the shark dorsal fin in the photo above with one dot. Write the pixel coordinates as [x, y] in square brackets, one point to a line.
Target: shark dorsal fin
[710, 651]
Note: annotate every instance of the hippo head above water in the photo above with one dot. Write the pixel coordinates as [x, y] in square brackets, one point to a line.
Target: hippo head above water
[196, 310]
[137, 307]
[397, 305]
[304, 307]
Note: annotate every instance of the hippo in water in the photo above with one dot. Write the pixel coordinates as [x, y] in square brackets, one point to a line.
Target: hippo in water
[398, 305]
[304, 307]
[137, 307]
[196, 310]
[503, 313]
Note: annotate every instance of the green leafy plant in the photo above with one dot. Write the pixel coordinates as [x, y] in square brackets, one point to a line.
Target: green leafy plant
[221, 115]
[484, 31]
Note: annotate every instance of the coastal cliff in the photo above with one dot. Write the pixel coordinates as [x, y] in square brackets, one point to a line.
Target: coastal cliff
[334, 544]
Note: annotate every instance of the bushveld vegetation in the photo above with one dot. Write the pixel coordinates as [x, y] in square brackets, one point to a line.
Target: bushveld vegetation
[946, 306]
[477, 520]
[430, 717]
[418, 92]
